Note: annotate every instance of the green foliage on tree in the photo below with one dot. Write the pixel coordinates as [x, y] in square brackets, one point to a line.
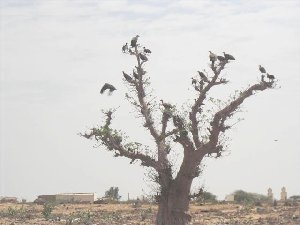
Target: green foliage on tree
[206, 197]
[295, 197]
[113, 194]
[241, 196]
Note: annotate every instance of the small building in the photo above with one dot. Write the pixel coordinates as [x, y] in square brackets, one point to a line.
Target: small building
[270, 195]
[283, 194]
[75, 198]
[229, 198]
[9, 200]
[45, 198]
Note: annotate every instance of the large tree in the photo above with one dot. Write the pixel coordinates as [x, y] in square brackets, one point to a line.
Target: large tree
[199, 132]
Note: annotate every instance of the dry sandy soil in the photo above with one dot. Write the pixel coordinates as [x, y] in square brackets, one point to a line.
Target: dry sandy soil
[121, 214]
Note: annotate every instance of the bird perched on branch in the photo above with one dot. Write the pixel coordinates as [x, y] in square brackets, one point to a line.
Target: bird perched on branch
[228, 56]
[127, 77]
[221, 58]
[130, 52]
[147, 50]
[134, 41]
[212, 56]
[125, 48]
[203, 77]
[166, 105]
[194, 81]
[271, 77]
[262, 69]
[143, 57]
[109, 87]
[135, 75]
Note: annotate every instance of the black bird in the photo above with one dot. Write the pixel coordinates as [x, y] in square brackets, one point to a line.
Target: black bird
[221, 58]
[271, 77]
[134, 41]
[127, 77]
[203, 77]
[166, 105]
[212, 56]
[147, 50]
[262, 69]
[194, 81]
[228, 57]
[136, 76]
[125, 47]
[106, 86]
[143, 57]
[130, 51]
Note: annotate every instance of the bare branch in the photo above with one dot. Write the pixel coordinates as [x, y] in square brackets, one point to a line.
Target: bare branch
[146, 112]
[199, 101]
[218, 122]
[182, 137]
[165, 118]
[174, 131]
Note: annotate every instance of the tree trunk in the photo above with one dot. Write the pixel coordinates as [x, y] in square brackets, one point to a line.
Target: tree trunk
[174, 203]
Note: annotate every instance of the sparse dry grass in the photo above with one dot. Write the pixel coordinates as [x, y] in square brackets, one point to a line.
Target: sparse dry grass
[118, 214]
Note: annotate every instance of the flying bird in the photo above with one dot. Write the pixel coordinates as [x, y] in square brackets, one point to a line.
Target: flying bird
[262, 69]
[147, 50]
[166, 105]
[228, 56]
[212, 56]
[109, 87]
[271, 77]
[134, 41]
[143, 57]
[127, 77]
[125, 48]
[203, 77]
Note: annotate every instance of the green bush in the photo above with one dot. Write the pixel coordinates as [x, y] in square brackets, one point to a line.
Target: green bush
[47, 210]
[113, 194]
[241, 196]
[206, 197]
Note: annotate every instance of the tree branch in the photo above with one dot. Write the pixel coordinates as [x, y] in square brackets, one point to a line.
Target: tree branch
[146, 112]
[182, 137]
[112, 140]
[199, 101]
[218, 122]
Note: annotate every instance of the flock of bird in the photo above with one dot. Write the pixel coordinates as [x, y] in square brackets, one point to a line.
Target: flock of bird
[263, 71]
[213, 57]
[142, 56]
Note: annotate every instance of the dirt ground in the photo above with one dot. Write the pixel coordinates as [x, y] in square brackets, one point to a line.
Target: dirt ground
[126, 214]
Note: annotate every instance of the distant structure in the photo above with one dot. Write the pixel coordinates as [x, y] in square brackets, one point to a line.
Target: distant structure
[45, 198]
[8, 200]
[270, 194]
[229, 198]
[66, 198]
[283, 194]
[295, 198]
[75, 198]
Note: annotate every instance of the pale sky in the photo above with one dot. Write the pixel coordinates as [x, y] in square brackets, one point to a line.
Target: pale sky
[56, 54]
